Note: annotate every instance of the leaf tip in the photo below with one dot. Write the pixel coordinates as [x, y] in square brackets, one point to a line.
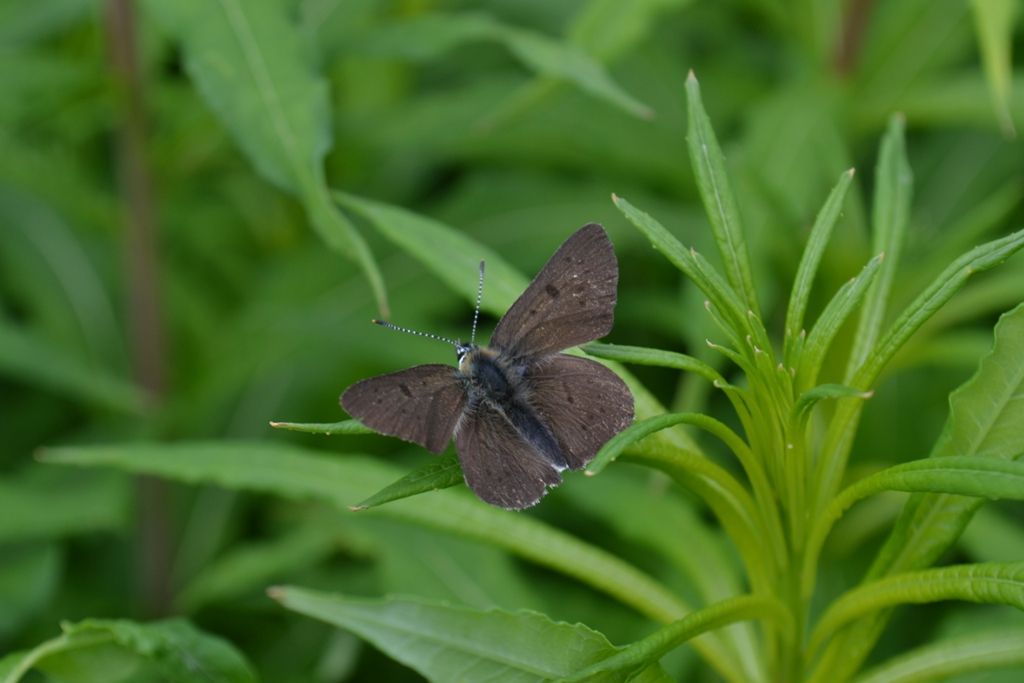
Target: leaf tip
[276, 592]
[850, 172]
[358, 507]
[691, 77]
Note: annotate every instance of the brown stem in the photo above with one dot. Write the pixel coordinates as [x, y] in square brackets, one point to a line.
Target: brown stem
[855, 21]
[141, 275]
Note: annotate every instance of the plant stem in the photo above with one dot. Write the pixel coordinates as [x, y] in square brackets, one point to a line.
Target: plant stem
[141, 272]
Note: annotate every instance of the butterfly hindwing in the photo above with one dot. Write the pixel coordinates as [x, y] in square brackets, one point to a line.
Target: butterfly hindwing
[500, 467]
[584, 402]
[571, 301]
[421, 404]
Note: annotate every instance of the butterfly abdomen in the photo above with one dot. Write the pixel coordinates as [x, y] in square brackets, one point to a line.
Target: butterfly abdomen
[502, 386]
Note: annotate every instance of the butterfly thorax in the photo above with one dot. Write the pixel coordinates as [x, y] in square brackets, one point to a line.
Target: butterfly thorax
[488, 374]
[491, 378]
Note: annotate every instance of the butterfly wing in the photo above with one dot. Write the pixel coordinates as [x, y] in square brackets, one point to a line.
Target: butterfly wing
[571, 301]
[500, 467]
[583, 402]
[421, 404]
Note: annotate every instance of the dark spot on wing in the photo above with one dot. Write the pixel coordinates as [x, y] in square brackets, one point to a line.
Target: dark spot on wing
[405, 390]
[552, 291]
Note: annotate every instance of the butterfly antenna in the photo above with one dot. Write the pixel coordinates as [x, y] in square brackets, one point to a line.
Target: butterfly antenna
[428, 335]
[479, 298]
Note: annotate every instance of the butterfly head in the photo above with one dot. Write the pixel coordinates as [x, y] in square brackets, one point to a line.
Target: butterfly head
[462, 351]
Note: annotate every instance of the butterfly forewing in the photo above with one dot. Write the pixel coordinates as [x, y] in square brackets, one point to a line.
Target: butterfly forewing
[584, 401]
[571, 301]
[500, 467]
[421, 404]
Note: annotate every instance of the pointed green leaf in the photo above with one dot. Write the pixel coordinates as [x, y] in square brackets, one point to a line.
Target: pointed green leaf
[429, 35]
[890, 215]
[609, 28]
[639, 355]
[449, 254]
[995, 21]
[329, 428]
[961, 476]
[709, 167]
[994, 583]
[831, 319]
[816, 243]
[810, 398]
[661, 642]
[722, 296]
[986, 418]
[248, 60]
[448, 643]
[292, 472]
[946, 659]
[838, 440]
[435, 475]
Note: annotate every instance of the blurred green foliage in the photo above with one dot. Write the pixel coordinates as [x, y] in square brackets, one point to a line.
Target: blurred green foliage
[396, 137]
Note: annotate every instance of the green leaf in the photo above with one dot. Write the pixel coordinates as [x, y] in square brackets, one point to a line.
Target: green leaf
[838, 439]
[448, 643]
[607, 29]
[720, 294]
[661, 642]
[248, 61]
[343, 427]
[810, 398]
[890, 215]
[709, 167]
[986, 418]
[816, 243]
[429, 35]
[952, 657]
[106, 651]
[27, 357]
[435, 475]
[636, 432]
[295, 473]
[639, 355]
[993, 583]
[831, 319]
[449, 254]
[963, 476]
[994, 21]
[729, 500]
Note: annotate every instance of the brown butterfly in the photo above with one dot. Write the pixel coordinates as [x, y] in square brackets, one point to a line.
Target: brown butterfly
[521, 412]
